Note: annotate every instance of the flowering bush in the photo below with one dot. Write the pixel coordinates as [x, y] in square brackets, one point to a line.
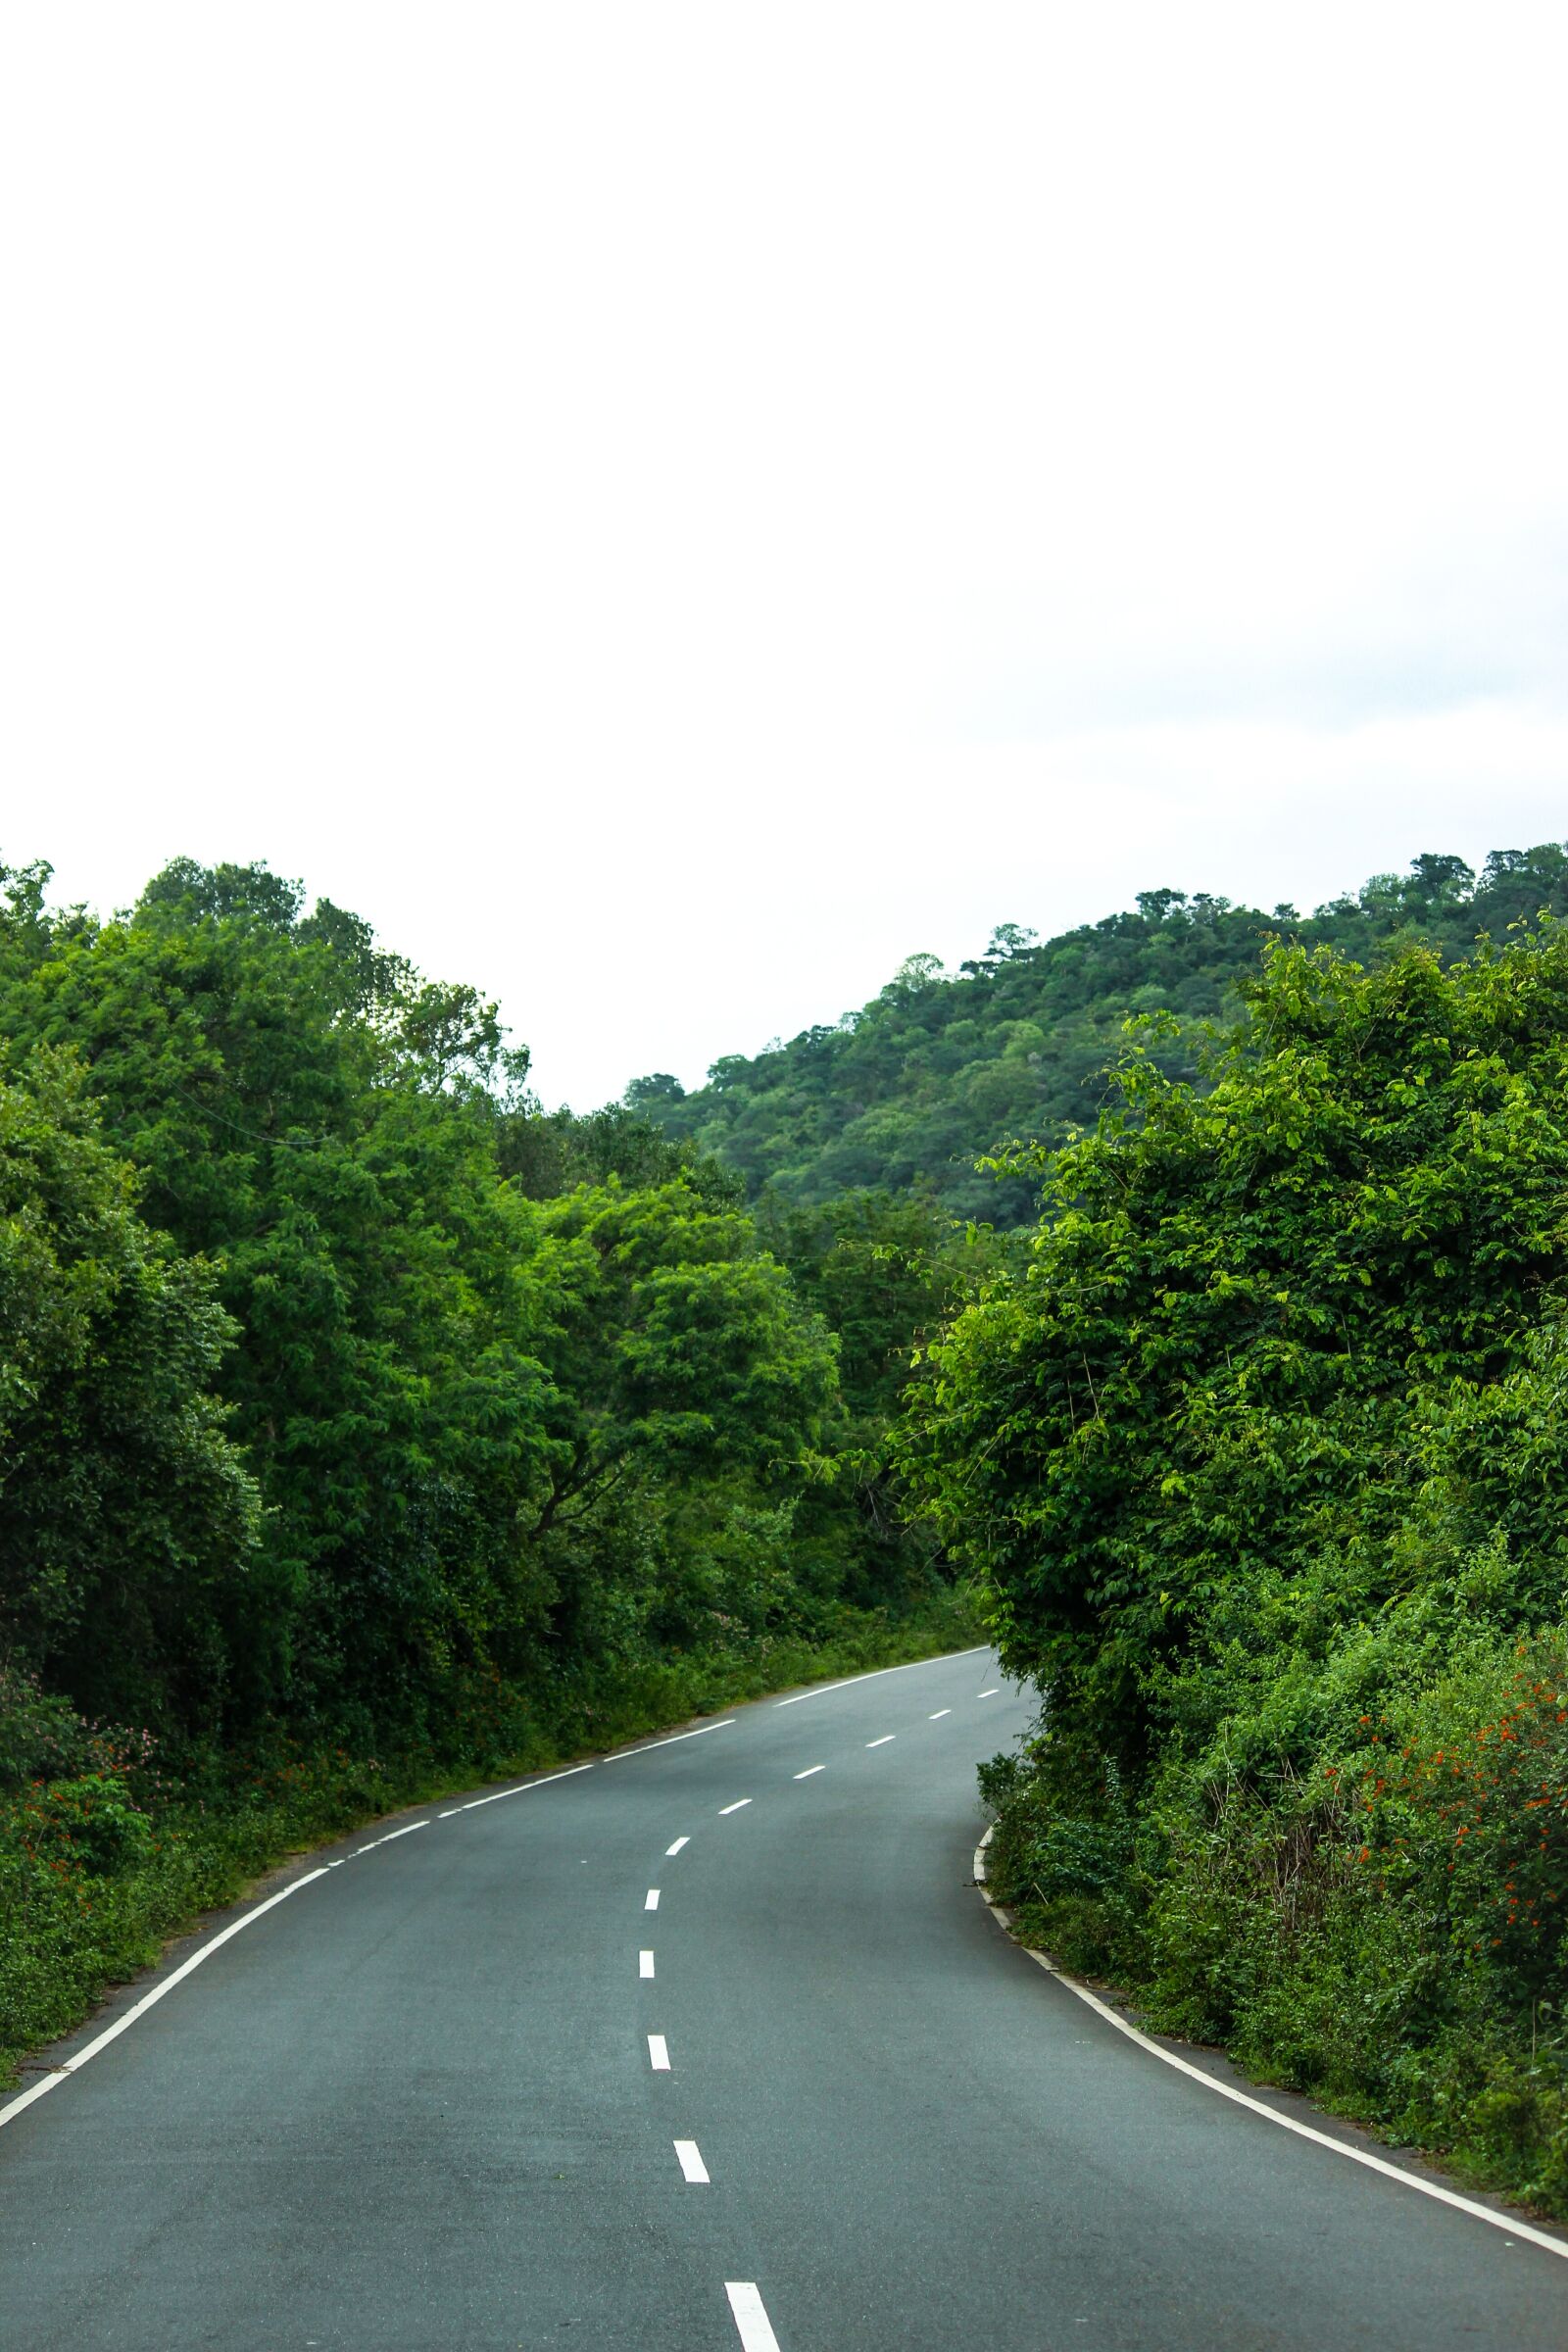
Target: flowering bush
[1470, 1810]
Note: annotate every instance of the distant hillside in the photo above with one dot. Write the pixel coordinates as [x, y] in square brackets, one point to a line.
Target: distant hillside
[939, 1068]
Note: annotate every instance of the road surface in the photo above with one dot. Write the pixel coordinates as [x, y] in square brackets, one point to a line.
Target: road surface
[707, 2045]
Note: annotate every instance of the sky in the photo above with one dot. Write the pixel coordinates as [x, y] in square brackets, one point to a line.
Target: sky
[669, 510]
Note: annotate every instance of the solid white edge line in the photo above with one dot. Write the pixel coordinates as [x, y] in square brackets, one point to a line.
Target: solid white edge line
[674, 1740]
[689, 2157]
[822, 1689]
[659, 2053]
[675, 1848]
[1240, 2098]
[882, 1742]
[651, 1899]
[522, 1788]
[750, 2320]
[735, 1807]
[810, 1769]
[645, 1963]
[101, 2041]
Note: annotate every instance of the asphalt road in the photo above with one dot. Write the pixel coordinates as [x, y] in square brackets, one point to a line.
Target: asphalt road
[416, 2104]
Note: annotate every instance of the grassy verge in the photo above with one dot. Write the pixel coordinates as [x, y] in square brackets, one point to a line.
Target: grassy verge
[99, 1870]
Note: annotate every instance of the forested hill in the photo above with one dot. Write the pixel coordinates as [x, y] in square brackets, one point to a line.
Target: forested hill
[943, 1067]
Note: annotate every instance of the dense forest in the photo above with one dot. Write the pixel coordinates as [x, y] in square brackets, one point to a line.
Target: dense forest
[1181, 1300]
[365, 1428]
[941, 1070]
[1263, 1461]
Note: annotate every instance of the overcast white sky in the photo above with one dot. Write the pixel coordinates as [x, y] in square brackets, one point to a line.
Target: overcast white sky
[668, 508]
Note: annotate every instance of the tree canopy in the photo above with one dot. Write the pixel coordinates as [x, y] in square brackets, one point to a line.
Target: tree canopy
[942, 1070]
[1209, 1403]
[458, 1367]
[1261, 1461]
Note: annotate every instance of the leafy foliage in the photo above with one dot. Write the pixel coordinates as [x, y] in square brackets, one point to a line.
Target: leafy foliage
[354, 1412]
[472, 1344]
[129, 1519]
[939, 1071]
[1262, 1460]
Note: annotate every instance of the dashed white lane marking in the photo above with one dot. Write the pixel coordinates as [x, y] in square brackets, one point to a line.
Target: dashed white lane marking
[937, 1717]
[877, 1672]
[73, 2065]
[47, 2083]
[1272, 2114]
[522, 1788]
[689, 2157]
[674, 1740]
[645, 1963]
[675, 1848]
[752, 2320]
[882, 1742]
[659, 2053]
[990, 1693]
[810, 1769]
[735, 1807]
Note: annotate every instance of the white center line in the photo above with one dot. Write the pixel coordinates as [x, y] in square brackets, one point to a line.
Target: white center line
[451, 1813]
[735, 1807]
[659, 2053]
[675, 1848]
[652, 1903]
[645, 1963]
[745, 2304]
[810, 1769]
[689, 2157]
[882, 1742]
[937, 1717]
[990, 1693]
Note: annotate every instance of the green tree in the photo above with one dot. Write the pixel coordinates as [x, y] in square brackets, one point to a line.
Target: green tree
[128, 1520]
[675, 1340]
[1201, 1409]
[329, 1148]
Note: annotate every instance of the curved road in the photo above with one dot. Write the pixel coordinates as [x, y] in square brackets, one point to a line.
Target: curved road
[420, 2102]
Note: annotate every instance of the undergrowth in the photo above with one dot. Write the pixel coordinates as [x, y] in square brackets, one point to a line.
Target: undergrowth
[1380, 1924]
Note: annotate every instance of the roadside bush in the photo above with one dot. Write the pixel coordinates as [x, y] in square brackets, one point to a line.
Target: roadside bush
[1381, 1925]
[1264, 1468]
